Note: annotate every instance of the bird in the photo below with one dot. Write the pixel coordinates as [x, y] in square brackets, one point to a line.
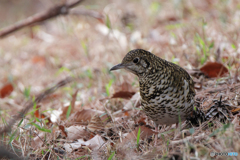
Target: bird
[166, 89]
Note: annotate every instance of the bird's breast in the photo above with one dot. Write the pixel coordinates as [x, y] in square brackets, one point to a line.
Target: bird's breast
[162, 101]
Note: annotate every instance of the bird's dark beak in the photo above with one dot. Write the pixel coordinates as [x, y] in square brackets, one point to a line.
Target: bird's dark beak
[118, 66]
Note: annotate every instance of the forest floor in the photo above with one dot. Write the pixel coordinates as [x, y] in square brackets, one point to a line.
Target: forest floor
[98, 114]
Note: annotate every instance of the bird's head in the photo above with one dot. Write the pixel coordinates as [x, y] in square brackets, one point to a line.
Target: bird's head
[137, 61]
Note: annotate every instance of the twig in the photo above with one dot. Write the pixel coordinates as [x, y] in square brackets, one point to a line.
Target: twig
[31, 103]
[201, 136]
[214, 90]
[39, 17]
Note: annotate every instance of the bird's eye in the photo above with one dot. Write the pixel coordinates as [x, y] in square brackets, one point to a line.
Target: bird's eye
[136, 60]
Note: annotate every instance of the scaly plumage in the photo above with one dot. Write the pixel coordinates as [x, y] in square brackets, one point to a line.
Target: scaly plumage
[167, 90]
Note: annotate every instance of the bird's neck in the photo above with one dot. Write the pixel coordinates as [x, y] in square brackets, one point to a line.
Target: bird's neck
[149, 83]
[154, 74]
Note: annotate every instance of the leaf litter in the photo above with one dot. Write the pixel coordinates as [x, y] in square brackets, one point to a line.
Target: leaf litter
[100, 122]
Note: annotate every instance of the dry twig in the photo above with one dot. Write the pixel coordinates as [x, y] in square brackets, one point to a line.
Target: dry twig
[219, 89]
[201, 136]
[31, 103]
[54, 11]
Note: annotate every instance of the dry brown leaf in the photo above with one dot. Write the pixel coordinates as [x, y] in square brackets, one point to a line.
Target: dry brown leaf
[126, 113]
[130, 141]
[39, 60]
[74, 97]
[72, 104]
[42, 116]
[125, 86]
[142, 121]
[134, 102]
[207, 103]
[36, 113]
[235, 110]
[84, 117]
[145, 132]
[38, 141]
[236, 122]
[95, 143]
[62, 128]
[123, 94]
[214, 69]
[77, 132]
[95, 124]
[6, 90]
[64, 112]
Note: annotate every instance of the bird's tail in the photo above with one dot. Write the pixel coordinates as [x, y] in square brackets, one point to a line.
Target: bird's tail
[219, 110]
[197, 117]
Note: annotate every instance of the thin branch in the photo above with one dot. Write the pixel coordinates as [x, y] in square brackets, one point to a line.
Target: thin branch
[31, 103]
[181, 141]
[219, 89]
[39, 17]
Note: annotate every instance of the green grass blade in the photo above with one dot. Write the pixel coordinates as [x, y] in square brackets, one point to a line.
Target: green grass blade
[111, 156]
[138, 137]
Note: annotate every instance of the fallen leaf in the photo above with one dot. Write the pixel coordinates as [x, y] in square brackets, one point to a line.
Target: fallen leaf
[6, 90]
[55, 115]
[74, 97]
[72, 105]
[95, 124]
[142, 121]
[235, 110]
[123, 94]
[36, 113]
[133, 102]
[42, 116]
[62, 128]
[39, 60]
[95, 143]
[236, 122]
[38, 141]
[145, 132]
[84, 117]
[125, 86]
[207, 103]
[126, 113]
[77, 132]
[214, 69]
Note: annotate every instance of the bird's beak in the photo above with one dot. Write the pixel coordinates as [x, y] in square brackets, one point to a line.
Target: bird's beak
[118, 66]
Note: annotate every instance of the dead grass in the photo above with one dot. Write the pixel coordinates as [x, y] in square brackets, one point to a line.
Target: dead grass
[189, 33]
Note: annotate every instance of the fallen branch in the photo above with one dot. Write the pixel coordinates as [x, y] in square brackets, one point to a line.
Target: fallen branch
[39, 17]
[201, 136]
[31, 103]
[219, 89]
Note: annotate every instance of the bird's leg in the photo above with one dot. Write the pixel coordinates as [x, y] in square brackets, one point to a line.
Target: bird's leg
[156, 134]
[176, 131]
[164, 127]
[177, 125]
